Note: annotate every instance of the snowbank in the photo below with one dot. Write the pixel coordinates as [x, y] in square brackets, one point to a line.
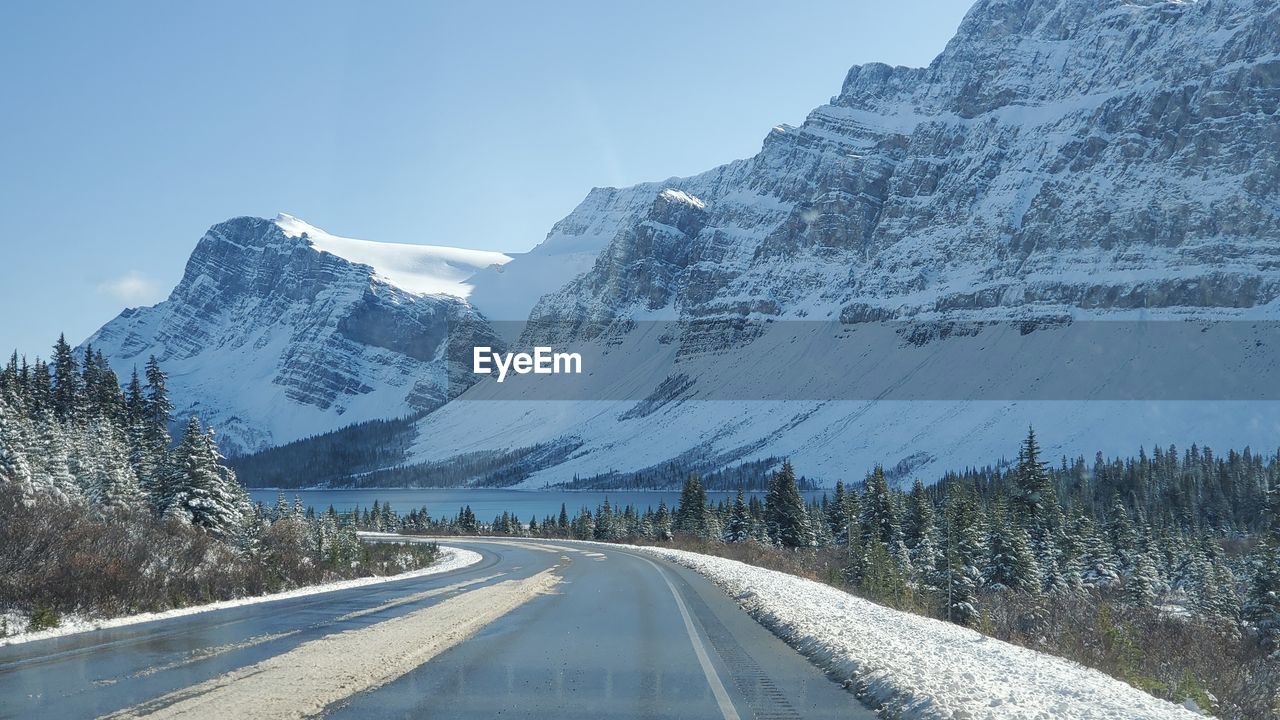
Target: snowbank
[915, 667]
[450, 559]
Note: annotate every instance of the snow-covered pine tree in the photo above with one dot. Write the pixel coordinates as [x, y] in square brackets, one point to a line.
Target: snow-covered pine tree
[584, 525]
[1099, 568]
[838, 518]
[67, 384]
[605, 522]
[661, 522]
[49, 458]
[1215, 598]
[822, 536]
[691, 514]
[963, 554]
[1142, 586]
[1010, 564]
[785, 511]
[204, 492]
[1034, 502]
[112, 483]
[1122, 536]
[739, 528]
[1262, 603]
[14, 466]
[879, 519]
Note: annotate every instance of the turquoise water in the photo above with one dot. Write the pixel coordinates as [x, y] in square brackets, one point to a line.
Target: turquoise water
[484, 503]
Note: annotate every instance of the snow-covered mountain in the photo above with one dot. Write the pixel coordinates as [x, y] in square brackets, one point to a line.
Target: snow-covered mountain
[279, 330]
[1063, 159]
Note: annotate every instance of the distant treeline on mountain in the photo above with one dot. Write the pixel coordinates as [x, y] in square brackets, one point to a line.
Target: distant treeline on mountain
[328, 459]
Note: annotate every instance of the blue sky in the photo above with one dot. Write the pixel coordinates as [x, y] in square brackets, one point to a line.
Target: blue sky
[129, 128]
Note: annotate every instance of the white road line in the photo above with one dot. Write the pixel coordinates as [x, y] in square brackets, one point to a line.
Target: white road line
[713, 678]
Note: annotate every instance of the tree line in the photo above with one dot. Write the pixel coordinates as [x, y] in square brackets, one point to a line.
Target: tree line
[1162, 569]
[102, 513]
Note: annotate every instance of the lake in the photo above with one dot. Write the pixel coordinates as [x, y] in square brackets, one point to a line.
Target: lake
[485, 503]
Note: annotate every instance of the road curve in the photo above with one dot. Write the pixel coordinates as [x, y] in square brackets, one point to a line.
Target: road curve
[535, 629]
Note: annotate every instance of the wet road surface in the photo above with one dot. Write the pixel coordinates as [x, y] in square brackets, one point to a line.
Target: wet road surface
[617, 636]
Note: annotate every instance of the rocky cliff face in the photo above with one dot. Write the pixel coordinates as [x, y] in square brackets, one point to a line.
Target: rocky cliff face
[1060, 158]
[270, 339]
[1063, 155]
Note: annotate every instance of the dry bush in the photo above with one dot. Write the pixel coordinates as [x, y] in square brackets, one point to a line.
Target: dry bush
[61, 558]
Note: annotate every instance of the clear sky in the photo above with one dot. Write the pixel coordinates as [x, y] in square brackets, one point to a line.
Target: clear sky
[127, 129]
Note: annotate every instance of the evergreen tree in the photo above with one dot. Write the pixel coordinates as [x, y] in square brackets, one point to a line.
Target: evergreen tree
[785, 512]
[879, 520]
[1262, 604]
[158, 410]
[818, 517]
[739, 527]
[662, 522]
[584, 526]
[14, 466]
[964, 552]
[1011, 565]
[1141, 588]
[838, 517]
[111, 480]
[691, 514]
[205, 493]
[1121, 535]
[67, 390]
[1035, 496]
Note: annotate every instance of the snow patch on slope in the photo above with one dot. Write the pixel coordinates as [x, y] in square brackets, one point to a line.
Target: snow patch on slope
[918, 668]
[422, 269]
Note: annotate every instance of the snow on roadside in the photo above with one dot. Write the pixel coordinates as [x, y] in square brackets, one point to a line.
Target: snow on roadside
[915, 667]
[450, 559]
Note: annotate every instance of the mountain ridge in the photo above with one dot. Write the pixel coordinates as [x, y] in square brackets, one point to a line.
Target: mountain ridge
[1059, 159]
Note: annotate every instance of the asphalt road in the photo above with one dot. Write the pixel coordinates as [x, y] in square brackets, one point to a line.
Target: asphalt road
[618, 636]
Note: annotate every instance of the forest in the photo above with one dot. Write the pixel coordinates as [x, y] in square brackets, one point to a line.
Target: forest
[103, 514]
[1162, 569]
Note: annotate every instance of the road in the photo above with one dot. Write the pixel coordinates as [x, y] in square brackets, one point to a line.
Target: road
[534, 630]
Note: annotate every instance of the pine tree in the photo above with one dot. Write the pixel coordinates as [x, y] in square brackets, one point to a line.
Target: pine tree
[818, 516]
[1141, 588]
[67, 383]
[1262, 604]
[112, 482]
[691, 514]
[14, 466]
[838, 518]
[1034, 496]
[1122, 536]
[205, 493]
[50, 459]
[879, 520]
[739, 528]
[1010, 565]
[785, 512]
[963, 553]
[158, 410]
[584, 525]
